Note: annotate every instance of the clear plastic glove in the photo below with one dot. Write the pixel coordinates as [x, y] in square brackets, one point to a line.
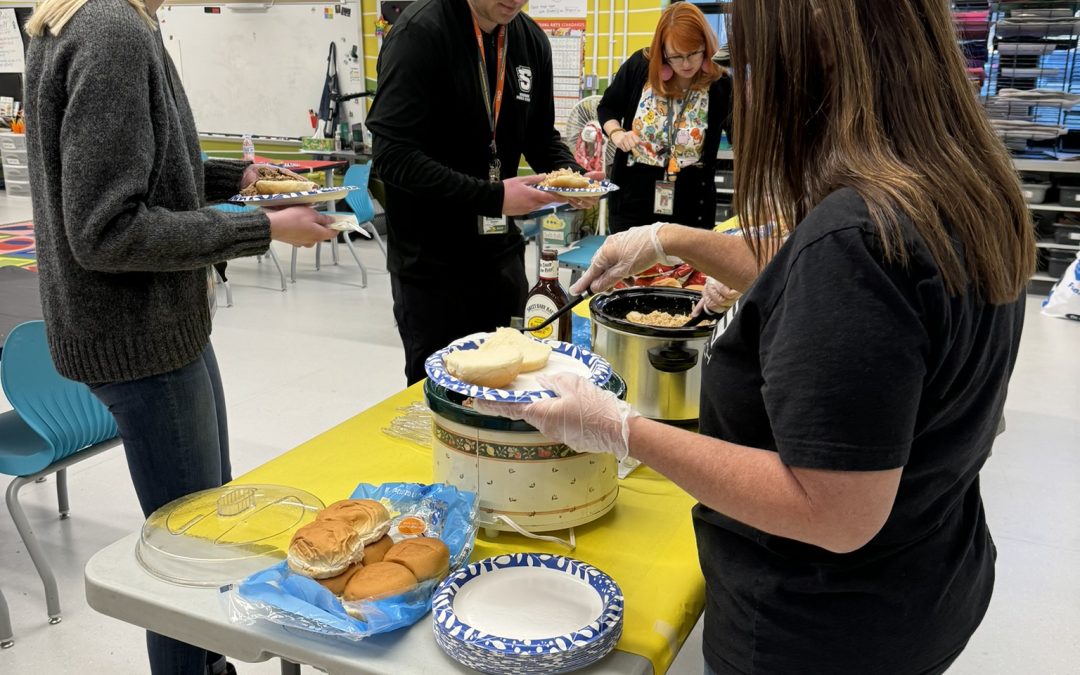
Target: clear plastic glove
[584, 417]
[716, 298]
[622, 255]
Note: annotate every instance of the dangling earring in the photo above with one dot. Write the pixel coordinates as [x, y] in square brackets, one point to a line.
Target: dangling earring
[666, 73]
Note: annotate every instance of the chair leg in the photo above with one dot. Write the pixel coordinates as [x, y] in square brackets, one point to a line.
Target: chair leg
[7, 638]
[333, 249]
[363, 270]
[48, 580]
[370, 227]
[62, 494]
[277, 264]
[228, 288]
[318, 256]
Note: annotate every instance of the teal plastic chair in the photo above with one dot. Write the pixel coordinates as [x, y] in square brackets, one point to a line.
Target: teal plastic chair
[580, 256]
[239, 208]
[55, 423]
[359, 200]
[7, 638]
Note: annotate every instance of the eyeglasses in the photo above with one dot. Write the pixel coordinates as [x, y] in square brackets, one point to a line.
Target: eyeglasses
[682, 59]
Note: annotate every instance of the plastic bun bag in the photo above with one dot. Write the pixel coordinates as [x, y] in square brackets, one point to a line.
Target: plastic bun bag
[292, 600]
[1064, 300]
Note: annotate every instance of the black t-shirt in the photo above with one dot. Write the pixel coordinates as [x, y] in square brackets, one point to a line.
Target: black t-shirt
[838, 360]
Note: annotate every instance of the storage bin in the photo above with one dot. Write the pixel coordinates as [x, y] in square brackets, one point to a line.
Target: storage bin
[1067, 234]
[1070, 195]
[1035, 193]
[1058, 262]
[15, 142]
[17, 173]
[18, 188]
[724, 212]
[1044, 224]
[15, 158]
[725, 180]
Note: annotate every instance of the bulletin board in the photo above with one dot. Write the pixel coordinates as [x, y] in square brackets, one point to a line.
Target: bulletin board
[259, 69]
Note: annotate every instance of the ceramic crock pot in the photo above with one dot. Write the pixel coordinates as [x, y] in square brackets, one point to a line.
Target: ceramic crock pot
[661, 366]
[516, 472]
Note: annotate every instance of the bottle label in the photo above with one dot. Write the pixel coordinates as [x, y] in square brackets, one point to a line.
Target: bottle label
[537, 311]
[549, 269]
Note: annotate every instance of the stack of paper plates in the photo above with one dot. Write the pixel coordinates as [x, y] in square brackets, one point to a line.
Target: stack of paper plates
[528, 613]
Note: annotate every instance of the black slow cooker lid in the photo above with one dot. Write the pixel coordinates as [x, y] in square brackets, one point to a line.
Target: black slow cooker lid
[611, 310]
[451, 405]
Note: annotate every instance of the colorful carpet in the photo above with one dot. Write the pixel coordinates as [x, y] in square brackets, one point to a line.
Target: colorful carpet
[17, 247]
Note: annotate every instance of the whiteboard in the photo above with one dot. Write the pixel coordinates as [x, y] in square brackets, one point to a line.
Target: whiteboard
[259, 72]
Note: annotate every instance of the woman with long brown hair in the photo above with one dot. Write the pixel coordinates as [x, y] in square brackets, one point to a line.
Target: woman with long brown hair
[848, 407]
[665, 111]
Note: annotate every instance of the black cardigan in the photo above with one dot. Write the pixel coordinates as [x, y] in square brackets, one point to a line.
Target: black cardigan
[620, 102]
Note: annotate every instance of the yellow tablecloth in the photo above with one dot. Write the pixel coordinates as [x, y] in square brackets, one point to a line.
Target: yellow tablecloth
[646, 543]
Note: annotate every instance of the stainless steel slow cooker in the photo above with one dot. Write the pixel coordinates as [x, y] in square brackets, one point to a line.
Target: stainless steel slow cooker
[661, 366]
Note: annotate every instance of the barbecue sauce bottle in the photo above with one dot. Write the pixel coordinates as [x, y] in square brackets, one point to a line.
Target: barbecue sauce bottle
[545, 298]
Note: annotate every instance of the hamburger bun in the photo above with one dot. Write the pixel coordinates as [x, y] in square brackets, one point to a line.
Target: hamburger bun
[534, 354]
[368, 517]
[282, 186]
[378, 580]
[565, 178]
[495, 367]
[426, 557]
[324, 548]
[336, 585]
[376, 551]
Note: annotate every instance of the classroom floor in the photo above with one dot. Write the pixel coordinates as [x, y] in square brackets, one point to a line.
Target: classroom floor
[298, 362]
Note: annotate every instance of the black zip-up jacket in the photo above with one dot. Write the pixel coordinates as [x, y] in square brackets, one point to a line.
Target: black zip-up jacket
[432, 137]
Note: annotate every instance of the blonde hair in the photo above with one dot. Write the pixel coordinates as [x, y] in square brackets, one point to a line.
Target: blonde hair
[52, 15]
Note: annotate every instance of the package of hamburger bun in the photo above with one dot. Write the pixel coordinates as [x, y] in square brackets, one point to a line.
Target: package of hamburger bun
[367, 564]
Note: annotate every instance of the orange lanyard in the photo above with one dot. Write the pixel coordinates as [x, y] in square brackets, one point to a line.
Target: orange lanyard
[500, 69]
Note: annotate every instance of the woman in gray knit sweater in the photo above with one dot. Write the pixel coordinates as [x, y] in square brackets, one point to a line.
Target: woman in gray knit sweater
[124, 240]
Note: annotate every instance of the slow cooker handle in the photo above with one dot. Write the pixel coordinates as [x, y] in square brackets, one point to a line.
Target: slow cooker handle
[673, 358]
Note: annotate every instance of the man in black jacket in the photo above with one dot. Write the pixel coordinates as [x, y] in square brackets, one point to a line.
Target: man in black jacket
[464, 90]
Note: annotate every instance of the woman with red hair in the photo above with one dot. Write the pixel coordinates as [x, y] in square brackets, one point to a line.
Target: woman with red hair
[665, 110]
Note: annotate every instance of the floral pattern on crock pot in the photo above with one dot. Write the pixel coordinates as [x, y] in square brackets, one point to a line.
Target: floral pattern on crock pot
[651, 126]
[499, 451]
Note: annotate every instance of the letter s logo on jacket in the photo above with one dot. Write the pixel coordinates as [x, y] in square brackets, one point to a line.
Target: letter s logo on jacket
[524, 77]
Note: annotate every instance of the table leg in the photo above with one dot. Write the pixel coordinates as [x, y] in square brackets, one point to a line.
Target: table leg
[289, 668]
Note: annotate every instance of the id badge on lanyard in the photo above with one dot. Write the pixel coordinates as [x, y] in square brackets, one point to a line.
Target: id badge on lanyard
[486, 224]
[664, 192]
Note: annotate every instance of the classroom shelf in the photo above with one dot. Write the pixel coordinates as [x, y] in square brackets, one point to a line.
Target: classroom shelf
[1054, 207]
[1055, 245]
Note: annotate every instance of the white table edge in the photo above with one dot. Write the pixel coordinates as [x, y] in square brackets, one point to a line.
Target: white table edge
[117, 586]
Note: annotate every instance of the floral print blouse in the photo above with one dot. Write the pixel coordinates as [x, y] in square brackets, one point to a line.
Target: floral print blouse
[651, 125]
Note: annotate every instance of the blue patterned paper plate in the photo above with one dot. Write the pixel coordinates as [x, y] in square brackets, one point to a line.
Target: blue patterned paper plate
[287, 198]
[492, 614]
[605, 187]
[565, 357]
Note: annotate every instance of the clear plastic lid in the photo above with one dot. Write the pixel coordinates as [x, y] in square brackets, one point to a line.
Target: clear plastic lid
[218, 536]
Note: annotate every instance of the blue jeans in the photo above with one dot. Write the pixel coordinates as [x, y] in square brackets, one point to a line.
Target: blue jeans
[176, 439]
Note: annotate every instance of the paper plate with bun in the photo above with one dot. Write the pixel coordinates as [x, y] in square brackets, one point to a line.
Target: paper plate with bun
[366, 565]
[275, 187]
[507, 365]
[569, 183]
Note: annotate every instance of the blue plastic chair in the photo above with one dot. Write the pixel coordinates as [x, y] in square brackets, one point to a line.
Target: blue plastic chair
[240, 208]
[580, 257]
[55, 423]
[359, 200]
[7, 638]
